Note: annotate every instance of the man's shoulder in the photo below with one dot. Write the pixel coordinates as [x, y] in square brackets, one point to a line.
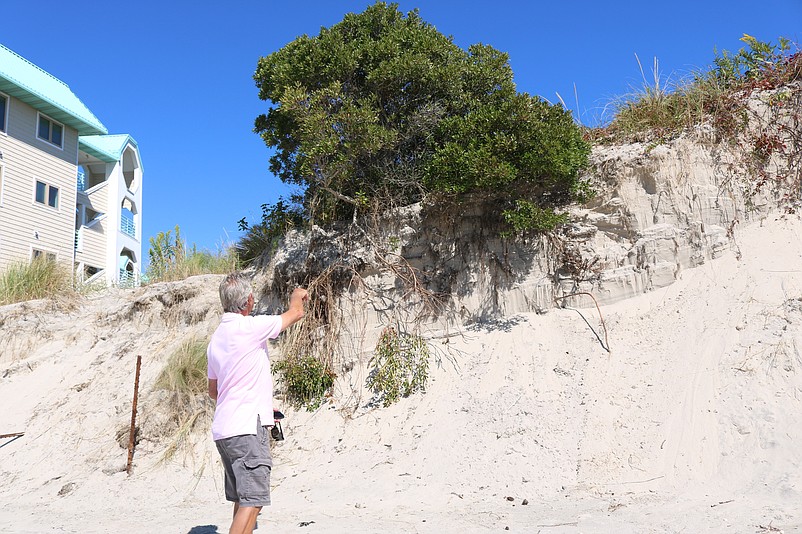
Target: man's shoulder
[238, 325]
[237, 317]
[266, 317]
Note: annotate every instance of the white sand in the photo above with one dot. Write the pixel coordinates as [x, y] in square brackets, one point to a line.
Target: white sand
[692, 423]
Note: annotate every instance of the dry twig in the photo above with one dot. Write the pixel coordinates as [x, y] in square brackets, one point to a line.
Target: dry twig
[606, 345]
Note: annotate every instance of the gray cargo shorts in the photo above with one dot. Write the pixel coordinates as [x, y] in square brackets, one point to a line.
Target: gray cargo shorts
[247, 463]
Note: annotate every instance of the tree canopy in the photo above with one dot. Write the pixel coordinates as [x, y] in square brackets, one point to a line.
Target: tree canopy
[383, 108]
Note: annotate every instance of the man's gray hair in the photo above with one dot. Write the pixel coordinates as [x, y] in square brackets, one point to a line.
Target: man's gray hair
[234, 292]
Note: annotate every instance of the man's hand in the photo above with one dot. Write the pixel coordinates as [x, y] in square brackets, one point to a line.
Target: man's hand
[299, 293]
[296, 312]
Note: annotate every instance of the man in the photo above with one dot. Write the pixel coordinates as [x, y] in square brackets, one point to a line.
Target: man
[241, 382]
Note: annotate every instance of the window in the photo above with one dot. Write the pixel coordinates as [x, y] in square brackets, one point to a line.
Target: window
[50, 131]
[36, 253]
[3, 112]
[46, 194]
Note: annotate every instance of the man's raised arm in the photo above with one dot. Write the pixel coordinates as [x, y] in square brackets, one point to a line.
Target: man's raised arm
[296, 310]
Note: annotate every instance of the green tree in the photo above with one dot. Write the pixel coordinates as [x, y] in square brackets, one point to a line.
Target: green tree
[381, 107]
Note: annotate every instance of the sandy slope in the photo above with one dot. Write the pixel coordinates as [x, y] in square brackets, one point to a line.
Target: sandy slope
[692, 422]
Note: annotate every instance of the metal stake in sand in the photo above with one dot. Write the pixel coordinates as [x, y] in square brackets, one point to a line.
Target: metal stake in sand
[133, 417]
[14, 437]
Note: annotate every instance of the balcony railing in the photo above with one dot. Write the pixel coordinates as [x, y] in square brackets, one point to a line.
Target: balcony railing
[81, 180]
[127, 226]
[127, 279]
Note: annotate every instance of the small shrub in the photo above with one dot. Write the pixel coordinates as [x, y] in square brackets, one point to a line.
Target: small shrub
[277, 220]
[529, 216]
[39, 278]
[306, 380]
[760, 61]
[400, 366]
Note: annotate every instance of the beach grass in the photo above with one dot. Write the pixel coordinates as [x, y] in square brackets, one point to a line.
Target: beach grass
[184, 378]
[202, 262]
[39, 278]
[662, 108]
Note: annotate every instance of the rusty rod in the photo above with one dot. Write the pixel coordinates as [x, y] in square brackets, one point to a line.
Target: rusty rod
[133, 417]
[14, 435]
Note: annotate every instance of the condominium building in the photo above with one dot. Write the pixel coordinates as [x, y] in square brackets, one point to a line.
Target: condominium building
[68, 189]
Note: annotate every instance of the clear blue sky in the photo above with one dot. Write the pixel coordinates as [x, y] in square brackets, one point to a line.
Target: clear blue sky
[177, 74]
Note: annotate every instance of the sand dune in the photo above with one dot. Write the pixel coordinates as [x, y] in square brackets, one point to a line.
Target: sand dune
[691, 422]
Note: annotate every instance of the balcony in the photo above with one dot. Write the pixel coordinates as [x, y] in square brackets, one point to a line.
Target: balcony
[128, 226]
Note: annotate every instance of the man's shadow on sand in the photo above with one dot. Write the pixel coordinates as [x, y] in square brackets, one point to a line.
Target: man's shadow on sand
[212, 529]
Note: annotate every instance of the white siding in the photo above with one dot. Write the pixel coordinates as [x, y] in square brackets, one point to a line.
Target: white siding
[25, 160]
[97, 198]
[93, 240]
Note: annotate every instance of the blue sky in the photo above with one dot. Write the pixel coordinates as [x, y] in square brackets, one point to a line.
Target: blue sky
[177, 75]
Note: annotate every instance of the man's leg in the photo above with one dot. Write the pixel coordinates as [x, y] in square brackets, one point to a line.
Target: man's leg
[244, 519]
[251, 473]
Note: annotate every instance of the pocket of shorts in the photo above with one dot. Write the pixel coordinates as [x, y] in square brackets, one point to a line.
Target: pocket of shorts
[256, 463]
[255, 483]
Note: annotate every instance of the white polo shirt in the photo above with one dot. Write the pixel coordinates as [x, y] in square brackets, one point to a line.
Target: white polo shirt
[238, 360]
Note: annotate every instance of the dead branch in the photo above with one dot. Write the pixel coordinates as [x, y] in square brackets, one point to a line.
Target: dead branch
[601, 318]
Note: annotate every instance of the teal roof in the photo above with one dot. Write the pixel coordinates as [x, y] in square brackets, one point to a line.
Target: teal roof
[23, 80]
[105, 147]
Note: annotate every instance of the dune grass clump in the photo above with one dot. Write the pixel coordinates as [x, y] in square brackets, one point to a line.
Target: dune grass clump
[661, 109]
[171, 260]
[184, 378]
[202, 262]
[185, 372]
[39, 278]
